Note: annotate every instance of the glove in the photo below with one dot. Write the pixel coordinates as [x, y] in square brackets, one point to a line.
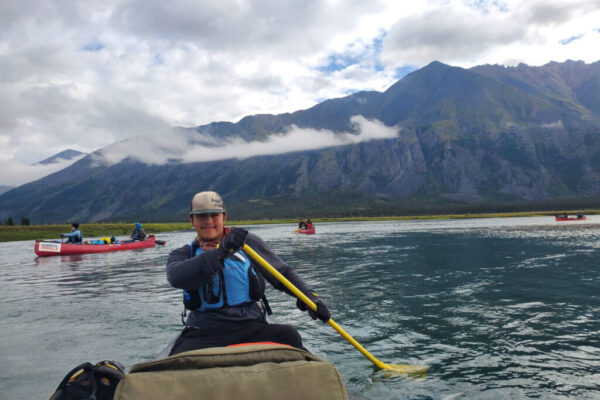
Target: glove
[62, 235]
[232, 242]
[322, 311]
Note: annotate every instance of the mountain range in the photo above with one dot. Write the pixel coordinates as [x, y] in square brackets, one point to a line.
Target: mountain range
[488, 138]
[65, 155]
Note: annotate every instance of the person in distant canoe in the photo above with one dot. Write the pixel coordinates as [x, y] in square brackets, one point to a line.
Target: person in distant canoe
[309, 224]
[579, 215]
[302, 224]
[74, 236]
[224, 289]
[138, 232]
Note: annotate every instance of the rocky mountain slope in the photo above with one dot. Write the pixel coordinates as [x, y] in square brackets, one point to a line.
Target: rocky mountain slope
[485, 138]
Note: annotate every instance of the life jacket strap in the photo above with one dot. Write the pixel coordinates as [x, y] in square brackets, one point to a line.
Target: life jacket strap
[265, 303]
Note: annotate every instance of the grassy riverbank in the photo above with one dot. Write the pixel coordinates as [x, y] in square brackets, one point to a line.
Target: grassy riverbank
[33, 232]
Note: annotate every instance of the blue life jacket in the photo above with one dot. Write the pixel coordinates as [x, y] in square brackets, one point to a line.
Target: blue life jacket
[74, 237]
[237, 283]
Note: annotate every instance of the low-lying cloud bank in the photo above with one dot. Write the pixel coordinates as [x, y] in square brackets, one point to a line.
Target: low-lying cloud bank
[191, 147]
[15, 173]
[188, 146]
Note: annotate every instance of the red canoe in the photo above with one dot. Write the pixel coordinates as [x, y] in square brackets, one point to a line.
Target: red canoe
[310, 231]
[569, 218]
[45, 249]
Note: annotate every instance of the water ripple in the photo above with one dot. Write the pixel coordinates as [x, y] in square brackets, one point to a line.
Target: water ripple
[498, 308]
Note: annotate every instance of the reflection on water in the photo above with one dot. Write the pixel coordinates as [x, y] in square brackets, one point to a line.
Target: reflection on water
[498, 308]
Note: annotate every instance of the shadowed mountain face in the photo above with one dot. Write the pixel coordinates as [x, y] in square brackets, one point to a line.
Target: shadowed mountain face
[487, 138]
[5, 188]
[63, 155]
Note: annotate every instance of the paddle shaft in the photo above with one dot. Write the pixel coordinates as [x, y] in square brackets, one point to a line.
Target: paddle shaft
[256, 257]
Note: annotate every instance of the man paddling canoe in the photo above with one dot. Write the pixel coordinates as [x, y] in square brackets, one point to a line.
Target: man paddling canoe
[223, 286]
[75, 235]
[138, 232]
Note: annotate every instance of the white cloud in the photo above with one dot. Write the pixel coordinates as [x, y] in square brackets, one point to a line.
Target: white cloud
[84, 74]
[189, 147]
[16, 173]
[509, 32]
[553, 125]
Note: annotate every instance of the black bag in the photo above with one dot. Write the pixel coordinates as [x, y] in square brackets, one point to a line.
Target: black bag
[90, 382]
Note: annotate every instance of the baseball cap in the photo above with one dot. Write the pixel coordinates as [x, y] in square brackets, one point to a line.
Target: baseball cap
[207, 203]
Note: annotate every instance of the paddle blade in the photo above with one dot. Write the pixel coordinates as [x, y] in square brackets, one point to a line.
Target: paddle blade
[414, 371]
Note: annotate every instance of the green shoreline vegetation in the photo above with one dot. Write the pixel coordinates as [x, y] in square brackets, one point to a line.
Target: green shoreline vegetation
[38, 232]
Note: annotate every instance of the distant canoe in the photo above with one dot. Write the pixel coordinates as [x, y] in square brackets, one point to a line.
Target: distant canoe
[310, 231]
[48, 248]
[567, 218]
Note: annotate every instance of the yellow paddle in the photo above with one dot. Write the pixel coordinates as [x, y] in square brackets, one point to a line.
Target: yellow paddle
[398, 368]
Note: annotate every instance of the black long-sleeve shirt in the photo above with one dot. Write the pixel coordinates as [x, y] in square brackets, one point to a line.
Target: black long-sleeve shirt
[192, 273]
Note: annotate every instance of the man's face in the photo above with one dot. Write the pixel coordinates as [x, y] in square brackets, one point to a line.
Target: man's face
[209, 226]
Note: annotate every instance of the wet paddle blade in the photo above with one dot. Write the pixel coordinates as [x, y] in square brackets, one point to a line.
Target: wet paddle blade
[414, 371]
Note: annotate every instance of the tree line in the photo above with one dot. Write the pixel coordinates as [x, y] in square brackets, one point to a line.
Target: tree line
[9, 221]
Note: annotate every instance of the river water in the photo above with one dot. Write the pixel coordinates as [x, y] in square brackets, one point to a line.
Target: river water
[498, 308]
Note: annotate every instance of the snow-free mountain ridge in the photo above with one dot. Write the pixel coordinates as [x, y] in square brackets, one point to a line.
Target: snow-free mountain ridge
[487, 138]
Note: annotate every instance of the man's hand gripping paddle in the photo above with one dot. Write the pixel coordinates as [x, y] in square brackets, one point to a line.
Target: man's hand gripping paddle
[403, 369]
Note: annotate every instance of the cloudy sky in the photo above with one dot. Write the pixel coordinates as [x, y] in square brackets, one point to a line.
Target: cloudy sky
[85, 74]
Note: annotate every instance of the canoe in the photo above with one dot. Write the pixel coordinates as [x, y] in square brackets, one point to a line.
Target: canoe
[310, 231]
[48, 248]
[575, 218]
[252, 371]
